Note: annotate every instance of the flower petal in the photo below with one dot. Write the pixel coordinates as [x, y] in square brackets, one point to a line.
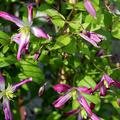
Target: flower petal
[89, 40]
[117, 84]
[95, 117]
[61, 101]
[2, 82]
[100, 53]
[16, 86]
[109, 80]
[11, 18]
[6, 109]
[95, 37]
[103, 90]
[39, 33]
[30, 12]
[23, 45]
[16, 38]
[72, 112]
[100, 84]
[61, 87]
[84, 89]
[89, 7]
[85, 105]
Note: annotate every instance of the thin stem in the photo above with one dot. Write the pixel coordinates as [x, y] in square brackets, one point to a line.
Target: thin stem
[70, 14]
[116, 69]
[99, 68]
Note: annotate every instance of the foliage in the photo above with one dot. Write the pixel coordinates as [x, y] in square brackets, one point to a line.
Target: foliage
[66, 58]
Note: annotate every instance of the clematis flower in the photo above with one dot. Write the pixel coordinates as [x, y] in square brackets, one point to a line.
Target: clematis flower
[92, 37]
[61, 88]
[8, 94]
[105, 84]
[22, 38]
[89, 7]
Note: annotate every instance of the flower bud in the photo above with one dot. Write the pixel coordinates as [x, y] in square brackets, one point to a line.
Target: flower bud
[36, 55]
[118, 101]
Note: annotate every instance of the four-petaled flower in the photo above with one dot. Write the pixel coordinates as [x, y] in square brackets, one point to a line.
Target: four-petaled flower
[89, 7]
[91, 37]
[70, 91]
[22, 38]
[8, 94]
[105, 84]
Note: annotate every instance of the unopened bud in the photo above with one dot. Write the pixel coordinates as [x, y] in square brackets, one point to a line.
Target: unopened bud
[36, 55]
[100, 53]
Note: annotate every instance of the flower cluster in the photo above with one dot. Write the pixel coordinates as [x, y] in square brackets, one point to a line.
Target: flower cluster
[22, 38]
[70, 92]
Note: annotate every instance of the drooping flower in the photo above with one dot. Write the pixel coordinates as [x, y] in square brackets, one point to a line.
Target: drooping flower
[89, 7]
[92, 37]
[63, 88]
[105, 84]
[7, 94]
[22, 38]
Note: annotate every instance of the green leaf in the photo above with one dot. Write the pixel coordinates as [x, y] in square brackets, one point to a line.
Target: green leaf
[57, 18]
[92, 98]
[31, 69]
[86, 81]
[54, 116]
[107, 19]
[6, 61]
[70, 48]
[75, 104]
[4, 38]
[53, 13]
[62, 41]
[75, 25]
[58, 22]
[5, 49]
[116, 30]
[84, 49]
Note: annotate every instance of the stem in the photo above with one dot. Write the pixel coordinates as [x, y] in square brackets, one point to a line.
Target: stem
[116, 69]
[70, 14]
[99, 68]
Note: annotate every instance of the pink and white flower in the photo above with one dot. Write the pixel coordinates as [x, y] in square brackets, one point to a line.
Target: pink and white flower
[7, 94]
[92, 37]
[22, 38]
[64, 88]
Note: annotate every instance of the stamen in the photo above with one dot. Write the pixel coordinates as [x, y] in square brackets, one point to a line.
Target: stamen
[9, 92]
[24, 30]
[106, 84]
